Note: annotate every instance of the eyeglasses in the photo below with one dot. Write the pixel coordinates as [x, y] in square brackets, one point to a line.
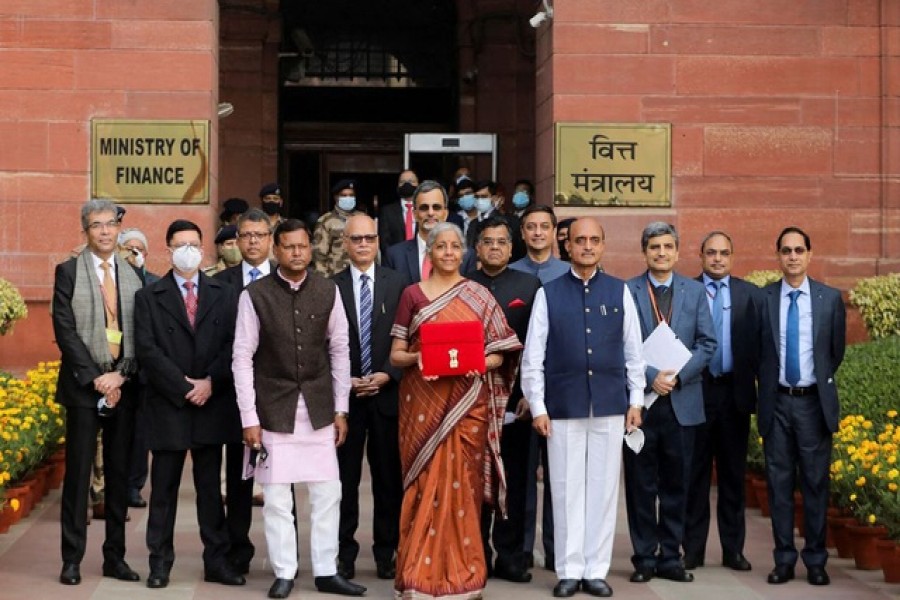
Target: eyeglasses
[427, 207]
[253, 235]
[186, 244]
[368, 237]
[787, 251]
[98, 225]
[502, 242]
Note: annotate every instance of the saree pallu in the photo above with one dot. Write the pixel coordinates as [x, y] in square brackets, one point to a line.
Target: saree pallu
[450, 451]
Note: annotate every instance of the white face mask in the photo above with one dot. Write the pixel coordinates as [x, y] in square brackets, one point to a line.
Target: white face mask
[138, 260]
[186, 258]
[483, 204]
[347, 203]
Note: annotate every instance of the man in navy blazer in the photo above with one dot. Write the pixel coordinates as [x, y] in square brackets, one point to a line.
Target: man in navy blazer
[662, 469]
[803, 339]
[431, 205]
[372, 422]
[729, 398]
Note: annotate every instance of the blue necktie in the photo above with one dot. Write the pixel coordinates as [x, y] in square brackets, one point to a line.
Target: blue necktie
[365, 325]
[718, 314]
[792, 342]
[254, 274]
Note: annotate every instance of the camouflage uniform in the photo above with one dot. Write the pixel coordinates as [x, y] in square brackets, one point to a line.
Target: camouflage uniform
[329, 256]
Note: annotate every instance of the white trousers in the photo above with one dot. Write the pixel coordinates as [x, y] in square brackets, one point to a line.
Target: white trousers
[585, 456]
[324, 516]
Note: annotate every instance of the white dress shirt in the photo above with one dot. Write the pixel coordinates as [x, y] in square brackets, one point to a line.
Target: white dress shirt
[357, 283]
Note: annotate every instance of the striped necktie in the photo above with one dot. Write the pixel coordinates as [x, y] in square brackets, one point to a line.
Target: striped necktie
[365, 325]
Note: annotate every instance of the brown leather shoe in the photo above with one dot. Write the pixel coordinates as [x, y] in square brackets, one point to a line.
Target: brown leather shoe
[258, 500]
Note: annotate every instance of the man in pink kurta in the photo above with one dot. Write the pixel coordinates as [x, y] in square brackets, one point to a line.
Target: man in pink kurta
[292, 374]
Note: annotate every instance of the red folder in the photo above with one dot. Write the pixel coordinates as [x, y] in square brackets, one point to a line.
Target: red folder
[452, 348]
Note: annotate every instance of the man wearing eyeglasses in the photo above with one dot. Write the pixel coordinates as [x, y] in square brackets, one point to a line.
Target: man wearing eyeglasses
[514, 292]
[370, 294]
[254, 241]
[803, 339]
[729, 397]
[408, 258]
[184, 340]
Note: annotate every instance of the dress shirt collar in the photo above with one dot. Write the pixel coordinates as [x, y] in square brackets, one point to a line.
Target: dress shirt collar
[355, 273]
[656, 283]
[179, 281]
[707, 280]
[294, 285]
[264, 269]
[787, 289]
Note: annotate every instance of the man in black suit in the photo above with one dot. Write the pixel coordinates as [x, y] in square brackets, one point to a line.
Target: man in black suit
[254, 240]
[408, 258]
[803, 339]
[184, 330]
[373, 400]
[397, 220]
[514, 292]
[729, 397]
[93, 308]
[487, 205]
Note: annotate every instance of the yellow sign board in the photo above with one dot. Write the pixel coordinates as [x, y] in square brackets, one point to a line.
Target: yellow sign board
[164, 162]
[613, 164]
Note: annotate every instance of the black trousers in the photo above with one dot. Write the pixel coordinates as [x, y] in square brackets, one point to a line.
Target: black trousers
[165, 478]
[238, 504]
[660, 472]
[139, 465]
[724, 438]
[371, 433]
[798, 439]
[82, 425]
[508, 534]
[537, 455]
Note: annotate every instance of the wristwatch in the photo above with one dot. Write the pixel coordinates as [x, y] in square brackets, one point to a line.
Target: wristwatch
[340, 413]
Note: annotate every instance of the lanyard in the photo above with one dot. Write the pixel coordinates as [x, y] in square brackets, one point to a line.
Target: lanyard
[659, 315]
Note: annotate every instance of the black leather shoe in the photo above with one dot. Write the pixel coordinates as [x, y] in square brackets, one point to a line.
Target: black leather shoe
[157, 580]
[641, 576]
[817, 576]
[735, 562]
[596, 587]
[120, 570]
[281, 588]
[135, 500]
[692, 561]
[70, 574]
[346, 569]
[566, 588]
[781, 574]
[675, 574]
[384, 569]
[223, 575]
[511, 573]
[337, 584]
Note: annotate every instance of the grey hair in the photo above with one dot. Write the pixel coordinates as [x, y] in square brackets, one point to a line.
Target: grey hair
[656, 229]
[255, 215]
[96, 205]
[427, 186]
[441, 228]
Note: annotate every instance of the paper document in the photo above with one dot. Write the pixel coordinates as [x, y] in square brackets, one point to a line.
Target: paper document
[662, 350]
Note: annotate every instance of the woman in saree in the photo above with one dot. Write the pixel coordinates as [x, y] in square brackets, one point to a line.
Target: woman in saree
[449, 431]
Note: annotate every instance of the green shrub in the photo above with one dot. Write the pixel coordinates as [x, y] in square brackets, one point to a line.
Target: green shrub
[878, 301]
[867, 379]
[763, 278]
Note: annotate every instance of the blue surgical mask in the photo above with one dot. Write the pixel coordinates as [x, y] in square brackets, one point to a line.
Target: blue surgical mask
[483, 205]
[467, 202]
[521, 199]
[346, 203]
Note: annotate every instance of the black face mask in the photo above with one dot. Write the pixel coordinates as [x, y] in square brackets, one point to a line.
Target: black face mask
[271, 208]
[406, 190]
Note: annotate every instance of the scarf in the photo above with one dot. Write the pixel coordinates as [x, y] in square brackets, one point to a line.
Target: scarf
[90, 315]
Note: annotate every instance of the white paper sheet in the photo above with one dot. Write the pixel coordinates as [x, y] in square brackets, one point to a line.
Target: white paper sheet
[663, 350]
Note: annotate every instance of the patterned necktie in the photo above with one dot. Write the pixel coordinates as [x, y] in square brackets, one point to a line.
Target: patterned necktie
[365, 325]
[190, 301]
[254, 274]
[111, 307]
[408, 219]
[792, 341]
[663, 301]
[715, 366]
[426, 268]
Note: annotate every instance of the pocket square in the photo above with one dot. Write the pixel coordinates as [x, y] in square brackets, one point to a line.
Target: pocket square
[517, 303]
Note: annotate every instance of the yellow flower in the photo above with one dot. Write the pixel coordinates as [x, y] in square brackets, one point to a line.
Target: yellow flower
[852, 497]
[867, 424]
[871, 519]
[892, 486]
[861, 482]
[892, 413]
[14, 504]
[893, 474]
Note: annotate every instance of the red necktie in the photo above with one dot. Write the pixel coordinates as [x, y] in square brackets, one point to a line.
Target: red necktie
[426, 268]
[408, 219]
[190, 301]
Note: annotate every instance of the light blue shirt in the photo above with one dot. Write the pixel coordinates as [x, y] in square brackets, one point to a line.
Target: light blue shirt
[725, 342]
[804, 304]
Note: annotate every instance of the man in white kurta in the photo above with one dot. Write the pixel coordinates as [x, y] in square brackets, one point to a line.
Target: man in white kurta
[291, 305]
[583, 377]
